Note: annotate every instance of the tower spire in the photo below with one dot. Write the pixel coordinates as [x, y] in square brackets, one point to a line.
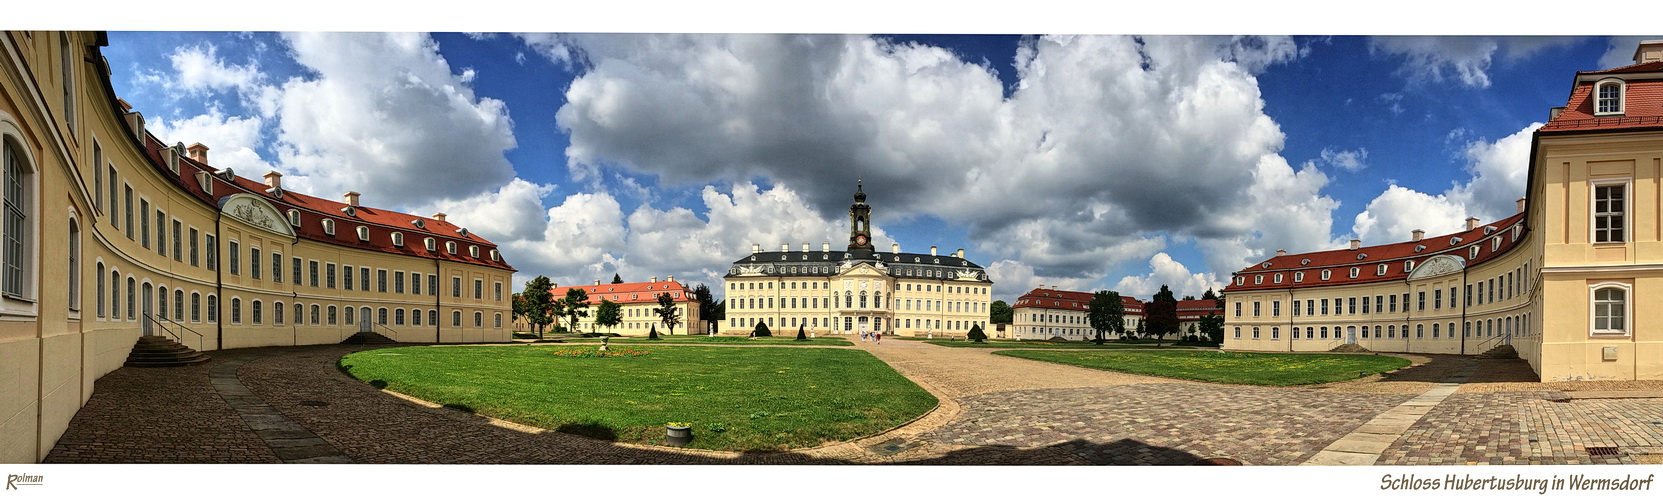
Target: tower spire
[860, 223]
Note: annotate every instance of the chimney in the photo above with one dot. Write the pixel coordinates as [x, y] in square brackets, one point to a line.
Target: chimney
[756, 248]
[597, 282]
[785, 247]
[1416, 235]
[932, 249]
[1281, 252]
[959, 254]
[1649, 51]
[439, 216]
[653, 280]
[197, 152]
[670, 278]
[894, 248]
[351, 198]
[1555, 112]
[274, 179]
[1472, 223]
[1356, 243]
[825, 246]
[1520, 204]
[805, 247]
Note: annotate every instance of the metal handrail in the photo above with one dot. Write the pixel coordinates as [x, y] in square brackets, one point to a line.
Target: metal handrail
[200, 338]
[374, 323]
[1480, 348]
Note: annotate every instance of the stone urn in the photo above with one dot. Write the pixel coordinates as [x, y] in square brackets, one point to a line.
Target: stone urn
[676, 434]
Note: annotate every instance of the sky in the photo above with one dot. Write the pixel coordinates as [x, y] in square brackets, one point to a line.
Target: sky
[1084, 162]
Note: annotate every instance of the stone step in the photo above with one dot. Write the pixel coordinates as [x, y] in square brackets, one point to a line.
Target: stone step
[366, 338]
[155, 351]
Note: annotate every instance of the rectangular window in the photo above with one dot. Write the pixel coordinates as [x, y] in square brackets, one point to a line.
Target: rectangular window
[312, 273]
[364, 278]
[127, 209]
[415, 283]
[195, 250]
[1609, 208]
[1351, 305]
[433, 285]
[496, 295]
[1392, 306]
[144, 218]
[1275, 305]
[1420, 300]
[398, 281]
[178, 249]
[456, 290]
[381, 280]
[1452, 297]
[479, 291]
[212, 247]
[254, 263]
[1492, 296]
[161, 233]
[1310, 307]
[1365, 304]
[236, 268]
[329, 275]
[1256, 306]
[299, 268]
[1405, 301]
[1437, 299]
[1469, 294]
[276, 267]
[346, 273]
[1324, 306]
[111, 207]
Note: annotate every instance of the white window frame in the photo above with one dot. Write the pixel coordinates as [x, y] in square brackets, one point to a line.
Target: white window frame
[1627, 211]
[1622, 93]
[23, 301]
[1628, 309]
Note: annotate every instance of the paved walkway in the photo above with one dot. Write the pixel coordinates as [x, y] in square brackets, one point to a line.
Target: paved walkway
[272, 405]
[1364, 445]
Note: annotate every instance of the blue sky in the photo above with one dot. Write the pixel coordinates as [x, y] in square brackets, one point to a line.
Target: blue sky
[1084, 162]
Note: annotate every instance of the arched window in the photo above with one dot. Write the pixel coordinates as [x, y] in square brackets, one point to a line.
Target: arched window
[196, 307]
[398, 317]
[277, 314]
[178, 304]
[236, 310]
[456, 318]
[299, 309]
[1610, 308]
[161, 306]
[100, 279]
[349, 317]
[132, 292]
[315, 314]
[255, 310]
[862, 300]
[416, 317]
[478, 319]
[75, 263]
[381, 315]
[332, 315]
[17, 207]
[1608, 97]
[213, 308]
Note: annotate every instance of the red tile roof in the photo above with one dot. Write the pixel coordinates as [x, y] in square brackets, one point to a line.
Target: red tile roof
[630, 293]
[1642, 102]
[1071, 300]
[381, 223]
[1368, 259]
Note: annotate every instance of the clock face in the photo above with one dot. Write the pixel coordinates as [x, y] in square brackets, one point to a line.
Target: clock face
[860, 240]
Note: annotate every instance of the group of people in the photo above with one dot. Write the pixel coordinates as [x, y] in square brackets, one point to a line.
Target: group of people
[876, 337]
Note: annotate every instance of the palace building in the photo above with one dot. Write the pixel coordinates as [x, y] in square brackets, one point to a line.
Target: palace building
[856, 290]
[1559, 281]
[637, 302]
[1044, 313]
[111, 236]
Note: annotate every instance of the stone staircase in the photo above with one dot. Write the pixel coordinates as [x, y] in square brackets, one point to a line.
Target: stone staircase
[1503, 351]
[367, 338]
[157, 351]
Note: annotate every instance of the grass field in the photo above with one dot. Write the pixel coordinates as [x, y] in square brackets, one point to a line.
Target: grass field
[763, 398]
[719, 339]
[1226, 367]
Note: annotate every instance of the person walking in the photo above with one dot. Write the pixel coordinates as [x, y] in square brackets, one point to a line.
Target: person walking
[877, 337]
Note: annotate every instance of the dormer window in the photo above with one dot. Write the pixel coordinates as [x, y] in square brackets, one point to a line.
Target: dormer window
[1408, 265]
[329, 227]
[1455, 241]
[1420, 248]
[430, 243]
[1277, 278]
[463, 232]
[363, 232]
[473, 251]
[350, 211]
[294, 217]
[398, 239]
[1304, 262]
[1258, 279]
[1380, 271]
[497, 257]
[1326, 274]
[1472, 252]
[1608, 97]
[419, 224]
[1299, 277]
[1353, 273]
[450, 247]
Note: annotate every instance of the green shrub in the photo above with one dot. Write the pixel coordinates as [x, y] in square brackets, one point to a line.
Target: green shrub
[761, 330]
[976, 333]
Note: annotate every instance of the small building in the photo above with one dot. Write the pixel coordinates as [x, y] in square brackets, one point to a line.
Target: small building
[1045, 313]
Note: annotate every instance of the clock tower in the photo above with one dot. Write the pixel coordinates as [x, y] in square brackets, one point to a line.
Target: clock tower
[860, 224]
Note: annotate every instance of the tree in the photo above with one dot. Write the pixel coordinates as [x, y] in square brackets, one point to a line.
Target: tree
[538, 303]
[667, 312]
[1212, 325]
[1192, 329]
[709, 309]
[1143, 326]
[1217, 298]
[999, 313]
[1105, 313]
[617, 279]
[976, 334]
[1163, 314]
[576, 306]
[609, 314]
[761, 330]
[802, 334]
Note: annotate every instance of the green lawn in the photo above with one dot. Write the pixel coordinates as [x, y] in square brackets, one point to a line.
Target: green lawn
[763, 398]
[1007, 344]
[1226, 367]
[719, 339]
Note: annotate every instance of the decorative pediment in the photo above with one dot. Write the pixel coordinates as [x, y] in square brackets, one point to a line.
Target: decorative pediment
[965, 274]
[1439, 265]
[255, 212]
[753, 270]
